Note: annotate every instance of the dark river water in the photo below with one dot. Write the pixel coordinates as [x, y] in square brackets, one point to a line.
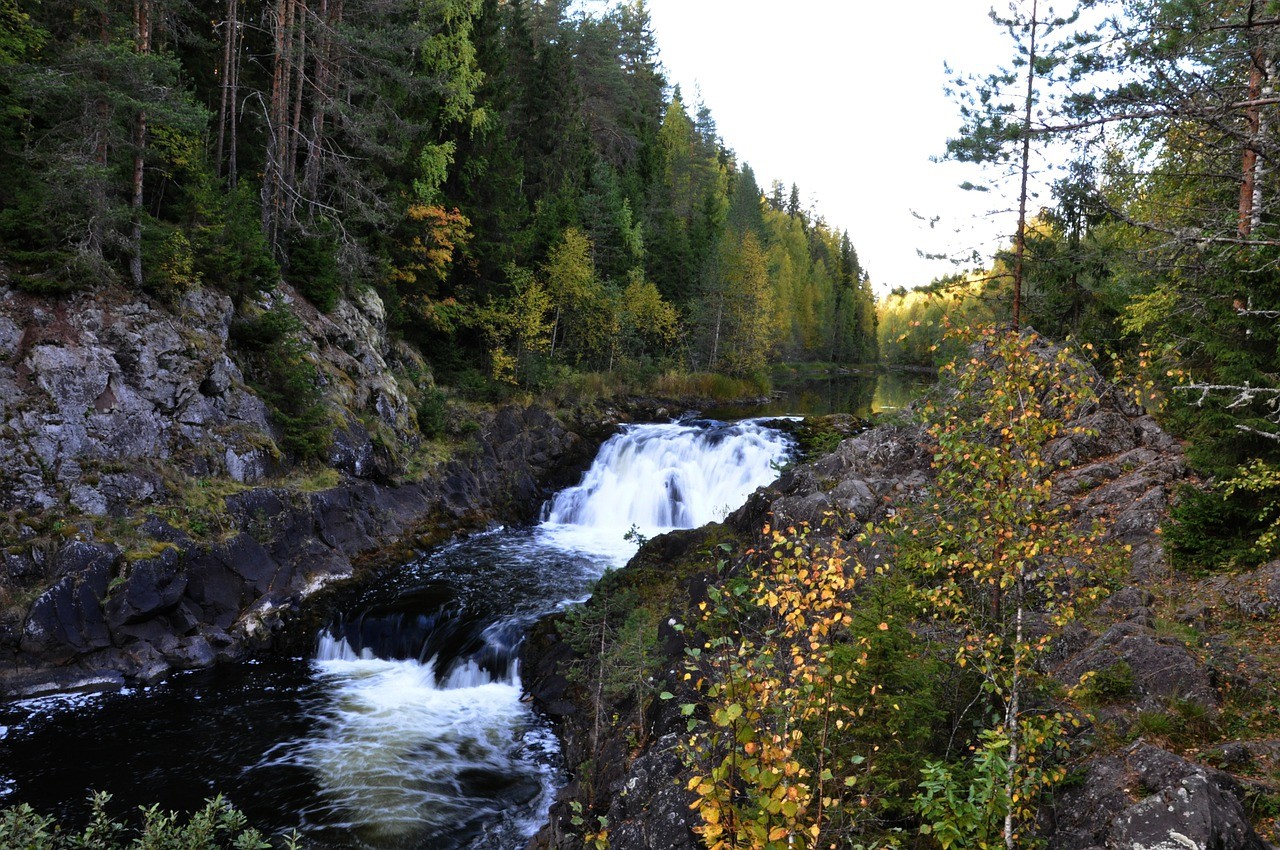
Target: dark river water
[406, 727]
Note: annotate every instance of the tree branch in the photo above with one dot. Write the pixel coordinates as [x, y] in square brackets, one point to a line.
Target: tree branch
[1163, 112]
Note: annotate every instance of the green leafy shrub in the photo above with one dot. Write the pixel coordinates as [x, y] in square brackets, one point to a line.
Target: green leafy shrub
[218, 826]
[281, 373]
[1110, 684]
[230, 249]
[1215, 530]
[169, 260]
[1155, 724]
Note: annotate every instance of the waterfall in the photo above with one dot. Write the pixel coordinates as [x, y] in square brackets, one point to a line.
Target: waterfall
[663, 477]
[424, 740]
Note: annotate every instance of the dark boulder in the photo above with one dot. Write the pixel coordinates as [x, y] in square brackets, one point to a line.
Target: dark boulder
[650, 810]
[1194, 813]
[1146, 798]
[151, 586]
[1163, 668]
[68, 619]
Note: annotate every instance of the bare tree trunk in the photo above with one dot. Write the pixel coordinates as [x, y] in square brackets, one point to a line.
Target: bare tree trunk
[1253, 123]
[1011, 720]
[142, 43]
[323, 76]
[225, 97]
[229, 99]
[277, 121]
[237, 43]
[715, 337]
[1260, 167]
[299, 59]
[1020, 249]
[95, 236]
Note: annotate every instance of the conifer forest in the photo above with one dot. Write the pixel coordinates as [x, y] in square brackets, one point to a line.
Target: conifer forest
[518, 183]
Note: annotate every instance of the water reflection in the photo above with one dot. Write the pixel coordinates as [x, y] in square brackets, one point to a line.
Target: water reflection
[810, 393]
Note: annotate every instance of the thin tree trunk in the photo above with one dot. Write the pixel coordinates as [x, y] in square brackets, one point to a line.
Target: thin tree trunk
[715, 337]
[1011, 721]
[329, 16]
[1260, 166]
[299, 59]
[95, 234]
[225, 98]
[1021, 244]
[142, 43]
[1249, 166]
[278, 115]
[237, 43]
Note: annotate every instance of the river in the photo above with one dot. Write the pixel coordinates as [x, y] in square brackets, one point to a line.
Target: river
[406, 727]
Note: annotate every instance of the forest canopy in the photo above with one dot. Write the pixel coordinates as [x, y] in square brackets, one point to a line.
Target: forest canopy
[516, 180]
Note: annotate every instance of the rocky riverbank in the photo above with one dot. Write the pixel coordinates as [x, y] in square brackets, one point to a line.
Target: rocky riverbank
[1177, 750]
[150, 520]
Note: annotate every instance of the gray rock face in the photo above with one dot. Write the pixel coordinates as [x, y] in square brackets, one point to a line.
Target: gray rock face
[1255, 594]
[1195, 814]
[107, 384]
[103, 381]
[1149, 799]
[857, 482]
[649, 810]
[1163, 668]
[352, 347]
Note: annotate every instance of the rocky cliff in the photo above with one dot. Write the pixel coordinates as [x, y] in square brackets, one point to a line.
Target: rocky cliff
[151, 520]
[1178, 749]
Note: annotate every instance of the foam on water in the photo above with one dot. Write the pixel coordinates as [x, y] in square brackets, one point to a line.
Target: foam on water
[658, 478]
[401, 758]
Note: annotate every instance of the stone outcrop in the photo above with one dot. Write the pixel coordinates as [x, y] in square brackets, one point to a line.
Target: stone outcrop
[1146, 798]
[111, 404]
[97, 393]
[101, 392]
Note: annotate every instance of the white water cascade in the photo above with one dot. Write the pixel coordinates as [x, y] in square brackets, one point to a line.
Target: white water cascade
[422, 740]
[657, 478]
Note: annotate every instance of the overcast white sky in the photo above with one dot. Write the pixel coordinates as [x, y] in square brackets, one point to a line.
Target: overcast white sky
[845, 99]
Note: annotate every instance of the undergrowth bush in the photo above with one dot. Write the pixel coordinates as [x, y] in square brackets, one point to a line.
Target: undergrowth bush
[831, 682]
[280, 372]
[217, 826]
[1215, 529]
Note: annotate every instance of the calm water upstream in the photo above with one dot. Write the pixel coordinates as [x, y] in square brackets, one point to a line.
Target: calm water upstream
[406, 728]
[862, 395]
